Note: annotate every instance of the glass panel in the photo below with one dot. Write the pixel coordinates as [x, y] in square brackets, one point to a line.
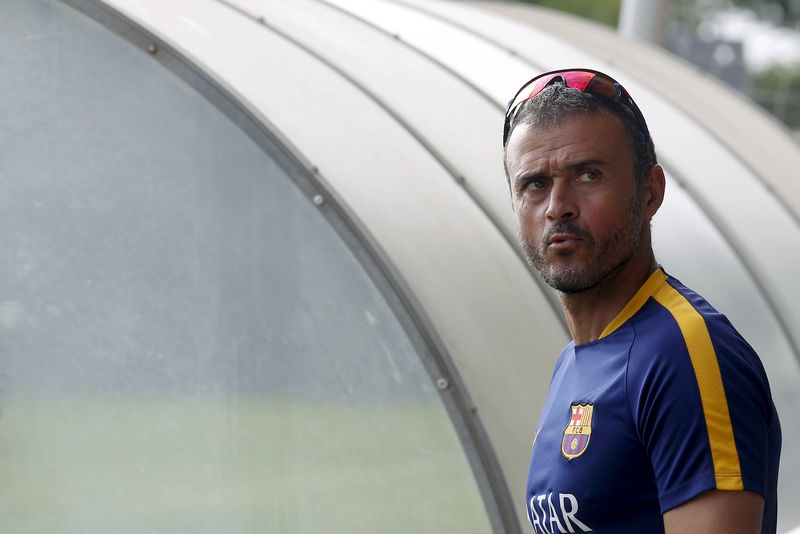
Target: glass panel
[185, 343]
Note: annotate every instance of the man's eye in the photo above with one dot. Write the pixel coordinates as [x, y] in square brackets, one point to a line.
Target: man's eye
[535, 184]
[589, 175]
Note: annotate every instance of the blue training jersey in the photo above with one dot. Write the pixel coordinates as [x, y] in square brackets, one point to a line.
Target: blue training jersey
[669, 402]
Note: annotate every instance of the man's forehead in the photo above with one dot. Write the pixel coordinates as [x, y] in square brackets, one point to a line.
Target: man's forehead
[580, 120]
[568, 142]
[601, 129]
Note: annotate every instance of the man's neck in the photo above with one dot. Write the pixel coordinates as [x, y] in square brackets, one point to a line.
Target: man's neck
[589, 312]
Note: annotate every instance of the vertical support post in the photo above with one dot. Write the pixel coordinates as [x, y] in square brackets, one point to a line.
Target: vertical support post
[644, 19]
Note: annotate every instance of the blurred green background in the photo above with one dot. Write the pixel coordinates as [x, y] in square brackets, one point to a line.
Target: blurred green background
[771, 80]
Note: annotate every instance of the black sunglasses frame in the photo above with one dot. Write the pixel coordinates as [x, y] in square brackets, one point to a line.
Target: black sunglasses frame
[620, 97]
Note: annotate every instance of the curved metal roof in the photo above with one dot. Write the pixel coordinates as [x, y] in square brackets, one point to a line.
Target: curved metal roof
[397, 107]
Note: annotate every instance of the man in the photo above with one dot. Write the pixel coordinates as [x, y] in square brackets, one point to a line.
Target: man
[659, 416]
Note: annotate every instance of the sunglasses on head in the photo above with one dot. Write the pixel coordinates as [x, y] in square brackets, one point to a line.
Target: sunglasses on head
[584, 80]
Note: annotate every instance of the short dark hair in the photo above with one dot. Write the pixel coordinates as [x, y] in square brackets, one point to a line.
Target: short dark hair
[557, 102]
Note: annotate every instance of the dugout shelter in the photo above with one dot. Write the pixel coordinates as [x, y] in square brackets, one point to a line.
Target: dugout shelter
[261, 271]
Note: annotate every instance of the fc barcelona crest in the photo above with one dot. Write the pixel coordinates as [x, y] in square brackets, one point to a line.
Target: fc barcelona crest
[578, 431]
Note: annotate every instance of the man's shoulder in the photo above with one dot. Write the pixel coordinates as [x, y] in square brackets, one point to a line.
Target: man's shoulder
[680, 331]
[677, 314]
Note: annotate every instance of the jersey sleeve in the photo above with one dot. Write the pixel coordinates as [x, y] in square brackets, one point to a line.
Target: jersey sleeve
[701, 404]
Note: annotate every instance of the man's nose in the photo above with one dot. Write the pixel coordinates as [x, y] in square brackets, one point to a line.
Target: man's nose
[562, 203]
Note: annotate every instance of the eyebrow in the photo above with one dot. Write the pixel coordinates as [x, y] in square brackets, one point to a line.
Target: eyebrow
[586, 163]
[538, 175]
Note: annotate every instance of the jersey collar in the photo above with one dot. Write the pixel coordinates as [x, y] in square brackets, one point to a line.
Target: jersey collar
[648, 289]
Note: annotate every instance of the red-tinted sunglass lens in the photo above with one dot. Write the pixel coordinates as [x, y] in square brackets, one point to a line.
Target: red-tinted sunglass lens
[578, 79]
[604, 87]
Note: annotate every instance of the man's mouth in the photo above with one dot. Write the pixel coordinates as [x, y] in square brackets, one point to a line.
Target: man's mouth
[561, 241]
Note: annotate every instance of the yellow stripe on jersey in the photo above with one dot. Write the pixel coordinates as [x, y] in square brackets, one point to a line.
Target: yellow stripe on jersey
[656, 280]
[727, 470]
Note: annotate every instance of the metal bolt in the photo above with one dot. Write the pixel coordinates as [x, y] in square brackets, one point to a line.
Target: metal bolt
[152, 48]
[318, 200]
[442, 384]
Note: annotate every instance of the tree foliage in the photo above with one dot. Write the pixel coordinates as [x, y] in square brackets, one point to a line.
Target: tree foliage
[689, 12]
[777, 89]
[603, 11]
[779, 12]
[692, 13]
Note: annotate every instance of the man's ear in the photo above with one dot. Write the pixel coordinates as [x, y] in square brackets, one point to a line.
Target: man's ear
[653, 190]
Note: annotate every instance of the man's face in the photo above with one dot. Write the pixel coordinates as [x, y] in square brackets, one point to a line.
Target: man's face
[578, 210]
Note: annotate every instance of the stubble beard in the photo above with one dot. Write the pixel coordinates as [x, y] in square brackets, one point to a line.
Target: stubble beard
[606, 257]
